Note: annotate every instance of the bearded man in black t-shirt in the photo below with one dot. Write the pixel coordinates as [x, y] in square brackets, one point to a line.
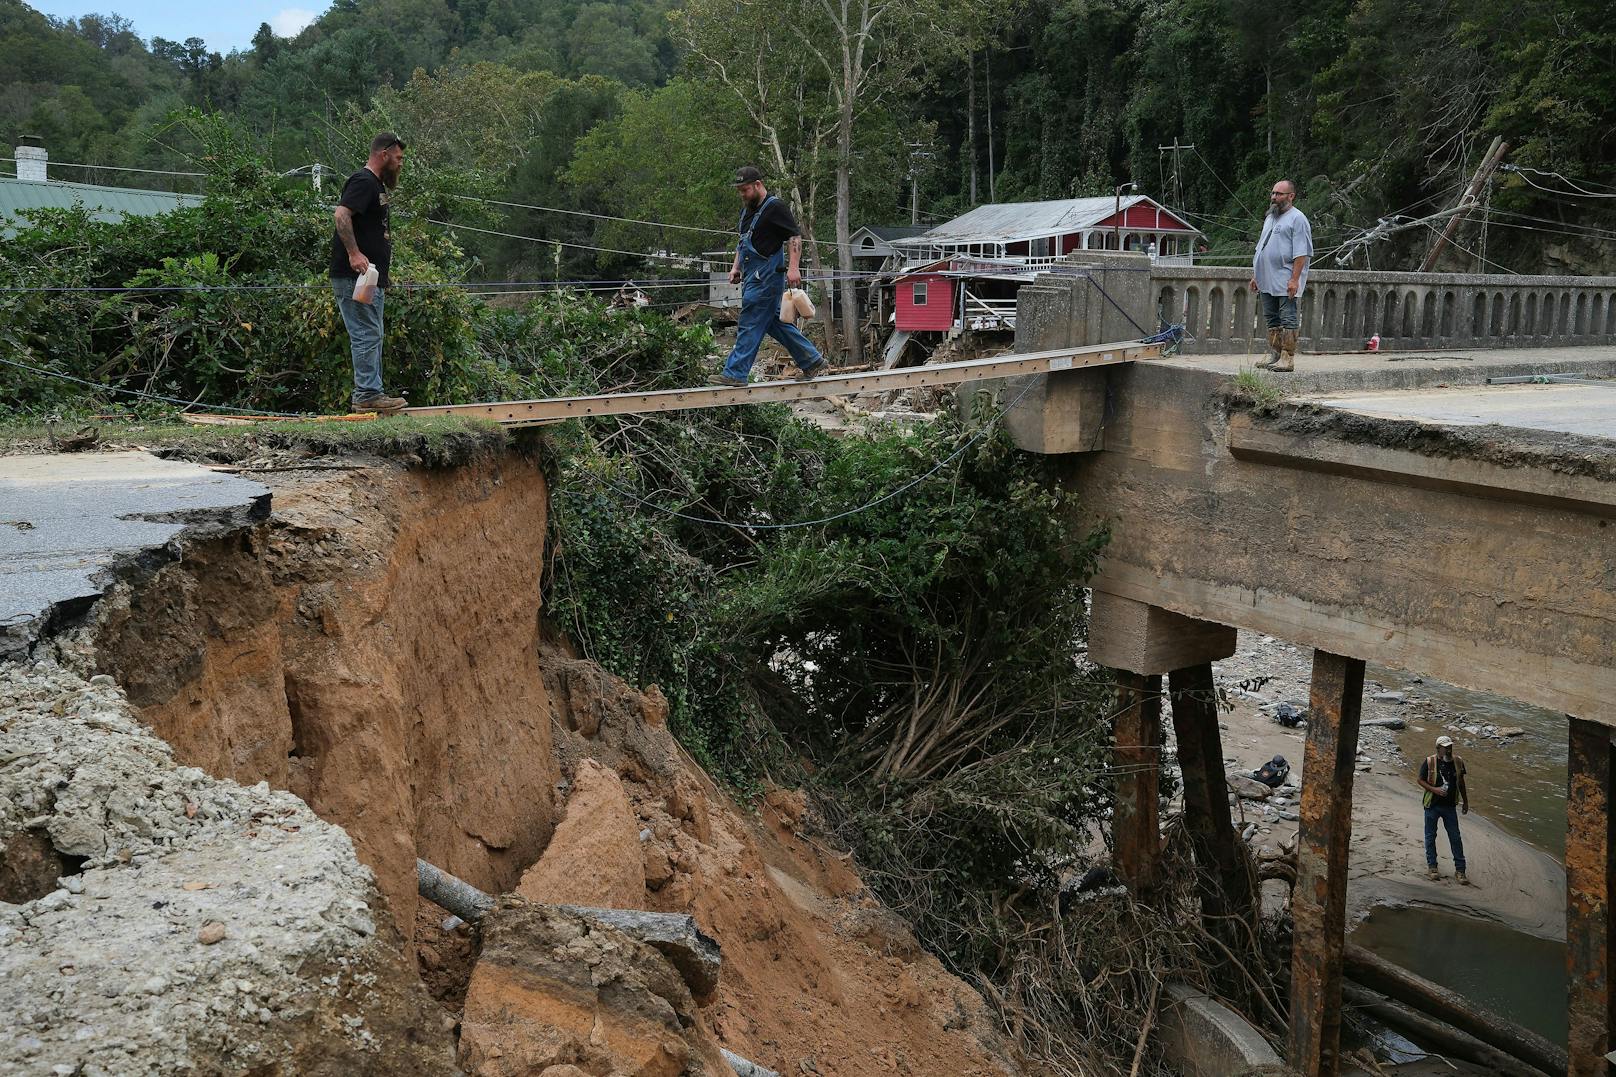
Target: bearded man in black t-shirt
[364, 238]
[767, 257]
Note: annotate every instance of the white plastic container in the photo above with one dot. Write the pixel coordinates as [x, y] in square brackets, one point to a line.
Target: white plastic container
[364, 285]
[794, 305]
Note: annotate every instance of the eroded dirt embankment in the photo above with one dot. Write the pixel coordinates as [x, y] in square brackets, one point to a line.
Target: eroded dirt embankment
[376, 648]
[372, 649]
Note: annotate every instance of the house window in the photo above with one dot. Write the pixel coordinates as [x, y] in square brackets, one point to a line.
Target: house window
[868, 244]
[1040, 248]
[918, 293]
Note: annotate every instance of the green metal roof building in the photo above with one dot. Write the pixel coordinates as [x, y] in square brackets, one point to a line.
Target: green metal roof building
[103, 203]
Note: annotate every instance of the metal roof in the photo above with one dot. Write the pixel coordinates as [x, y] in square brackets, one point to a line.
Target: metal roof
[103, 203]
[894, 232]
[1004, 222]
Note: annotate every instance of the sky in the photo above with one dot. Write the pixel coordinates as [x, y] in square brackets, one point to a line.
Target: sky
[222, 26]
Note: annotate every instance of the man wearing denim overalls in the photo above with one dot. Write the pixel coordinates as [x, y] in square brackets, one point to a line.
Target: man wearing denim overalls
[765, 264]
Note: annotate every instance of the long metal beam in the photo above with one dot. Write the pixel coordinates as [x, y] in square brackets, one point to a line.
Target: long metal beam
[1319, 900]
[536, 412]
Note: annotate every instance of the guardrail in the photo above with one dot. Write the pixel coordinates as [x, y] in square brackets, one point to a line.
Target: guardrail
[1342, 309]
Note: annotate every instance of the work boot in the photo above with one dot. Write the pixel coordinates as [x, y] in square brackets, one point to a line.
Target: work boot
[1273, 350]
[1287, 352]
[725, 379]
[380, 403]
[1463, 879]
[1432, 874]
[812, 372]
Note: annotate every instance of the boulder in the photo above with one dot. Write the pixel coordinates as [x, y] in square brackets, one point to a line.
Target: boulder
[1249, 788]
[595, 856]
[554, 988]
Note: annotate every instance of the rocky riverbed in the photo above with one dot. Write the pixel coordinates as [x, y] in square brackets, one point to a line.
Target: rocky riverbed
[1513, 883]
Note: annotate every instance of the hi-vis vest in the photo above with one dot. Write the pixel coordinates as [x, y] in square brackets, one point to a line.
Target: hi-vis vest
[1431, 776]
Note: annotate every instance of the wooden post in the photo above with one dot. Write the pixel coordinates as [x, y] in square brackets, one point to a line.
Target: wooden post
[1319, 904]
[1494, 158]
[1223, 881]
[1590, 882]
[1138, 760]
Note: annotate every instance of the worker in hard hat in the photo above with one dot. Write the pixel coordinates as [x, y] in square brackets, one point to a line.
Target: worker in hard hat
[1442, 776]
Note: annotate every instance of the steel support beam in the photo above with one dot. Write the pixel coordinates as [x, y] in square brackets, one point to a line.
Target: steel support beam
[1136, 827]
[1590, 884]
[1319, 904]
[1222, 879]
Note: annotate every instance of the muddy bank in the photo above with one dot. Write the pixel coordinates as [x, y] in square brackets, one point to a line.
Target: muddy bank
[371, 647]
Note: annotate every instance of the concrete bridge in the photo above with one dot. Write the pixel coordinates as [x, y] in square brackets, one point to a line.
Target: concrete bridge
[1394, 508]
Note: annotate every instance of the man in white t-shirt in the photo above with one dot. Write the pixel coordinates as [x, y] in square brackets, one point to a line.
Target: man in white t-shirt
[1279, 273]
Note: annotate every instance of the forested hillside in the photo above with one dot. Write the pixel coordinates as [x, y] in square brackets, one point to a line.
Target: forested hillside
[640, 108]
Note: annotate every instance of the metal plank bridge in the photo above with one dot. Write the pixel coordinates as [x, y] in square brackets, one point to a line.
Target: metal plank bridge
[538, 412]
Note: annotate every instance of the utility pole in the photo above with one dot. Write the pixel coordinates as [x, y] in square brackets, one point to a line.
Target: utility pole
[915, 153]
[1175, 149]
[1494, 158]
[1116, 218]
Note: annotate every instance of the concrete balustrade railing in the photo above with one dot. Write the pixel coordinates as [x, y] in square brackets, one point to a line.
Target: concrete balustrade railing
[1342, 309]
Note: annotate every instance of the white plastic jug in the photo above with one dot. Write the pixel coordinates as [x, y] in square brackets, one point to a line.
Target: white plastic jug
[364, 285]
[795, 304]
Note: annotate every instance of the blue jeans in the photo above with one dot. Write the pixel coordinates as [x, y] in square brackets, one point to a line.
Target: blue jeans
[1280, 311]
[364, 322]
[1449, 814]
[762, 287]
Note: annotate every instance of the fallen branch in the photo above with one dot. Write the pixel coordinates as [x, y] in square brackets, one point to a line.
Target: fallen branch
[1144, 1029]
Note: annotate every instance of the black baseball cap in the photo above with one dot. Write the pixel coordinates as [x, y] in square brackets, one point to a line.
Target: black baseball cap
[747, 174]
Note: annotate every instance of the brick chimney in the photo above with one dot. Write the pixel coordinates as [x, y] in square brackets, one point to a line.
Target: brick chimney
[31, 159]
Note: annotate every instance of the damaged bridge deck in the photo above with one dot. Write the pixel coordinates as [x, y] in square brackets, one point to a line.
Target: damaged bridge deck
[1391, 507]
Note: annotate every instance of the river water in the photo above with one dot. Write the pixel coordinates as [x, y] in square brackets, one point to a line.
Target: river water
[1519, 783]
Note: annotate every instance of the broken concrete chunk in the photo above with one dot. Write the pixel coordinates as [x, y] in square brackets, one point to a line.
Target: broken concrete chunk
[695, 955]
[109, 982]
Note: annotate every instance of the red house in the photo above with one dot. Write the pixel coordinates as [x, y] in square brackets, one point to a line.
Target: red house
[925, 299]
[970, 268]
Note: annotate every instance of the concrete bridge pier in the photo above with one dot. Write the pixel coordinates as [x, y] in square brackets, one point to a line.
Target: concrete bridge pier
[1590, 881]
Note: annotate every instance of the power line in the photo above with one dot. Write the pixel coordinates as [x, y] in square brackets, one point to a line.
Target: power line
[110, 168]
[684, 258]
[727, 232]
[1219, 177]
[595, 216]
[1575, 192]
[1473, 254]
[151, 396]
